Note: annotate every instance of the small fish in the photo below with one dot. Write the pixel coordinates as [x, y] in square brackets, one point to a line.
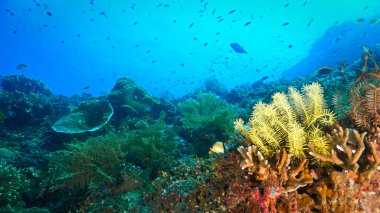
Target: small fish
[290, 46]
[205, 5]
[136, 22]
[220, 20]
[232, 11]
[374, 21]
[22, 66]
[86, 87]
[285, 24]
[359, 20]
[218, 147]
[159, 5]
[205, 44]
[324, 70]
[213, 12]
[218, 33]
[49, 13]
[191, 25]
[175, 21]
[286, 5]
[246, 24]
[304, 4]
[102, 13]
[310, 21]
[238, 48]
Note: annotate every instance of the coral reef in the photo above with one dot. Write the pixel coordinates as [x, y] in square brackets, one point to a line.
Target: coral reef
[290, 121]
[95, 168]
[291, 154]
[206, 120]
[12, 184]
[90, 116]
[129, 100]
[152, 147]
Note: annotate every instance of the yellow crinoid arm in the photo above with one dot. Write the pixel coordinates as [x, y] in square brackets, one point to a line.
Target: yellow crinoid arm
[297, 140]
[299, 105]
[281, 102]
[268, 124]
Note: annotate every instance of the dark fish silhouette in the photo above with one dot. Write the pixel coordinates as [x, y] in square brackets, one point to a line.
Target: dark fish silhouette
[359, 20]
[237, 48]
[191, 25]
[310, 21]
[286, 23]
[286, 5]
[22, 66]
[49, 13]
[213, 12]
[246, 24]
[232, 11]
[374, 21]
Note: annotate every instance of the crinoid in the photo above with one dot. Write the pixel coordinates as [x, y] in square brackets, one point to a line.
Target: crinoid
[291, 121]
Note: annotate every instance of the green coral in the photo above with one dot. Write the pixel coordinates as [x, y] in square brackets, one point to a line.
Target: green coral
[92, 165]
[206, 119]
[292, 120]
[12, 184]
[127, 96]
[153, 147]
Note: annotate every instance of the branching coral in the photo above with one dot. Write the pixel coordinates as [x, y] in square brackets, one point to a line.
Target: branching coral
[290, 121]
[339, 139]
[271, 183]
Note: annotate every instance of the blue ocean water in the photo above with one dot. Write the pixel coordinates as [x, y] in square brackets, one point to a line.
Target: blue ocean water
[172, 46]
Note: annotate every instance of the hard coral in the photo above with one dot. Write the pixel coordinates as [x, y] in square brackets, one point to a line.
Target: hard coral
[339, 140]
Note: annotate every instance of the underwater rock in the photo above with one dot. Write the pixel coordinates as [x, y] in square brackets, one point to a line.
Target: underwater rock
[126, 94]
[23, 101]
[23, 84]
[90, 116]
[129, 100]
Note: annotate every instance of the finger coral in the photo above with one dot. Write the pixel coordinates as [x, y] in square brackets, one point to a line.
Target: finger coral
[292, 120]
[339, 140]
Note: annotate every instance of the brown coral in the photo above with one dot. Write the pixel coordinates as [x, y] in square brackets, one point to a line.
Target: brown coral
[348, 155]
